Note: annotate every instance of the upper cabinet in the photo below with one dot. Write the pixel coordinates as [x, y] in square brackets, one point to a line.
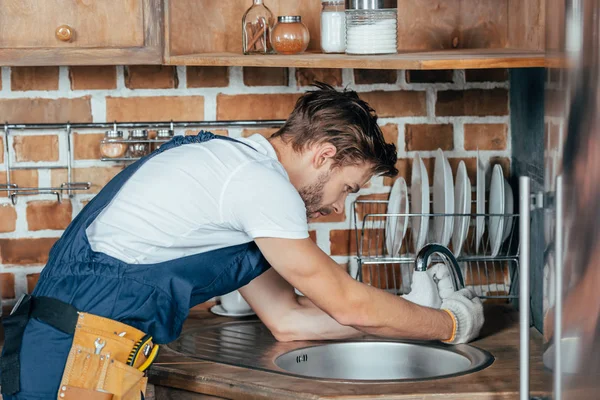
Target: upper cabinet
[79, 32]
[432, 34]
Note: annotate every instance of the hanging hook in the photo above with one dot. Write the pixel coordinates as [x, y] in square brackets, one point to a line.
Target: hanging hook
[115, 126]
[172, 127]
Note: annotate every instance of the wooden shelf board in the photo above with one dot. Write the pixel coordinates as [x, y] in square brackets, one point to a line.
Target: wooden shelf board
[449, 59]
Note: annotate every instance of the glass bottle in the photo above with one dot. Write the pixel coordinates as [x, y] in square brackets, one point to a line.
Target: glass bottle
[113, 145]
[290, 35]
[139, 148]
[164, 135]
[371, 27]
[256, 29]
[333, 26]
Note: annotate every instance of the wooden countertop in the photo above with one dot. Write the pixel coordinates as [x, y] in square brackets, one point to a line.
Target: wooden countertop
[500, 336]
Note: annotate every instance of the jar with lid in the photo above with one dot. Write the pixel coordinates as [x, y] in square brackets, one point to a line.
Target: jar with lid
[113, 146]
[371, 26]
[138, 148]
[164, 135]
[290, 35]
[256, 29]
[333, 26]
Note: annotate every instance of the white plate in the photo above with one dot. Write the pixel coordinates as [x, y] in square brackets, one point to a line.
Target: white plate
[509, 207]
[219, 310]
[395, 227]
[496, 206]
[480, 199]
[443, 199]
[462, 204]
[419, 194]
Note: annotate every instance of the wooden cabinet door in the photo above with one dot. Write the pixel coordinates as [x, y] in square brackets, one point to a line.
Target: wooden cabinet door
[92, 32]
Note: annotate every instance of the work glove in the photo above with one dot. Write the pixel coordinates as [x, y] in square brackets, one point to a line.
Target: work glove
[429, 288]
[466, 311]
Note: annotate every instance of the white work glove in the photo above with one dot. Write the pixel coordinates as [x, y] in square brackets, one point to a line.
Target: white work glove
[429, 288]
[466, 310]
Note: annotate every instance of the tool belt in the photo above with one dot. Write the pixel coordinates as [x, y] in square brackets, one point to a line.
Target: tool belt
[106, 361]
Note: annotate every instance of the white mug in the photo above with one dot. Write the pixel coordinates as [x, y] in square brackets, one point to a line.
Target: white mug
[234, 303]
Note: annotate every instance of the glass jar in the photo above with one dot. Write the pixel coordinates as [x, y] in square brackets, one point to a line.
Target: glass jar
[113, 146]
[333, 26]
[256, 29]
[290, 35]
[163, 134]
[138, 149]
[371, 27]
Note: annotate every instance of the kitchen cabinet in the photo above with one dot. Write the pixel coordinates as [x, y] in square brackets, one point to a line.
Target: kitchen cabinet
[76, 32]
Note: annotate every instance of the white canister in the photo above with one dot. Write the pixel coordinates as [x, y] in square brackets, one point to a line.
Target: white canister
[371, 26]
[333, 26]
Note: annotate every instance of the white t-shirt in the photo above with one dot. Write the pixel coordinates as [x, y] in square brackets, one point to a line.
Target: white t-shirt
[200, 197]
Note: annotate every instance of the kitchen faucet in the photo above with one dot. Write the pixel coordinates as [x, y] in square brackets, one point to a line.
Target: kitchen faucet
[428, 250]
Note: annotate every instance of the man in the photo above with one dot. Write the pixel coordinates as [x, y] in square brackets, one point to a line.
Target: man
[201, 217]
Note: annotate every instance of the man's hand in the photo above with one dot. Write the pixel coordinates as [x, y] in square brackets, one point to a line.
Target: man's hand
[429, 288]
[467, 311]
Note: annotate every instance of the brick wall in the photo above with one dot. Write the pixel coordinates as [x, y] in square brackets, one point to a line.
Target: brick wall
[458, 111]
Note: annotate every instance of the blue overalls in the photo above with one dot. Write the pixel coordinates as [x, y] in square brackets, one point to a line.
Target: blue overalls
[154, 298]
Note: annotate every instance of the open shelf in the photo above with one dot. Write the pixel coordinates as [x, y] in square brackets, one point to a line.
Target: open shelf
[448, 59]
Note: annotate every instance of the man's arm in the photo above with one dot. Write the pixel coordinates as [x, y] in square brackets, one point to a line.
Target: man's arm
[289, 316]
[351, 303]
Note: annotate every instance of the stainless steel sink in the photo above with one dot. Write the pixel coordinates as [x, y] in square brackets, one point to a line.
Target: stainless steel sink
[250, 344]
[382, 360]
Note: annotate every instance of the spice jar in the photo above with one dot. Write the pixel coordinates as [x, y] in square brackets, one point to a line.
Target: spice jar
[371, 26]
[333, 26]
[256, 29]
[163, 134]
[289, 35]
[138, 149]
[113, 146]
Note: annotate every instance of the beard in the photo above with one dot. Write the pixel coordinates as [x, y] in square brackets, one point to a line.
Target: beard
[312, 195]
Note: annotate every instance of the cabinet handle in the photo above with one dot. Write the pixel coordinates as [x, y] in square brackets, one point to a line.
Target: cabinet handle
[64, 33]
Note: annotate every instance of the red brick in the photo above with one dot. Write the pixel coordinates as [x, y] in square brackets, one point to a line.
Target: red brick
[397, 103]
[266, 132]
[49, 215]
[97, 176]
[36, 110]
[429, 137]
[307, 76]
[266, 76]
[20, 177]
[255, 106]
[555, 102]
[429, 76]
[390, 133]
[36, 148]
[32, 280]
[371, 208]
[151, 77]
[93, 77]
[34, 78]
[383, 276]
[199, 77]
[486, 75]
[1, 150]
[155, 108]
[8, 218]
[313, 236]
[343, 241]
[375, 76]
[486, 136]
[87, 146]
[7, 285]
[475, 102]
[25, 251]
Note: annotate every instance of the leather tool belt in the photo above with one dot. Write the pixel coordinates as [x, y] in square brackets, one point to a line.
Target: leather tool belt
[106, 361]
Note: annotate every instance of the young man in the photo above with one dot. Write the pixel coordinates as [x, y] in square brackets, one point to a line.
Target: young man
[201, 217]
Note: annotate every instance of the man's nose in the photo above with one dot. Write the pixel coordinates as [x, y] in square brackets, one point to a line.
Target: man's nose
[338, 208]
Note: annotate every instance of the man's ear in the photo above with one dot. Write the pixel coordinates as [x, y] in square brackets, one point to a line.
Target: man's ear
[323, 154]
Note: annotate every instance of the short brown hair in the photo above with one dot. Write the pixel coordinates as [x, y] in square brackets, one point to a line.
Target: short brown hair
[344, 120]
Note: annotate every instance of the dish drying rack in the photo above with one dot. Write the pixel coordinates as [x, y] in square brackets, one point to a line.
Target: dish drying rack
[491, 276]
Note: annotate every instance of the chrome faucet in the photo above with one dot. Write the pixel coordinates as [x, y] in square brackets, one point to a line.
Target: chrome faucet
[428, 250]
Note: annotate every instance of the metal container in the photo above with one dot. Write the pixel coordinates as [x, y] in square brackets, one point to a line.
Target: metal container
[164, 135]
[371, 26]
[138, 148]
